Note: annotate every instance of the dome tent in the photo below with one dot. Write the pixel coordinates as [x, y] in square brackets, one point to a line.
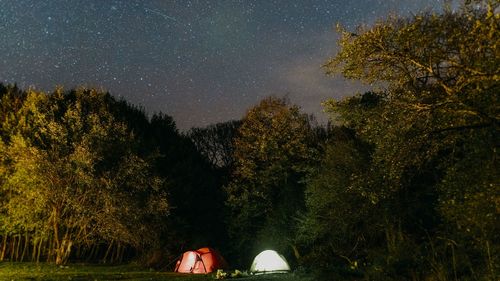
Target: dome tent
[203, 260]
[269, 261]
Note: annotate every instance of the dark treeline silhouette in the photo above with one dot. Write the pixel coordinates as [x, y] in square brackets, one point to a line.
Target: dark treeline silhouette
[402, 184]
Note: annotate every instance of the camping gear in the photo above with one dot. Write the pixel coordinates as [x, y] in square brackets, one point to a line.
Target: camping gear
[203, 260]
[269, 261]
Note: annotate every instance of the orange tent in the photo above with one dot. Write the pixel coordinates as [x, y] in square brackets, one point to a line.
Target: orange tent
[203, 260]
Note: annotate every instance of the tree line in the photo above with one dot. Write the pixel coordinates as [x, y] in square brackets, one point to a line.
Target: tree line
[402, 184]
[88, 177]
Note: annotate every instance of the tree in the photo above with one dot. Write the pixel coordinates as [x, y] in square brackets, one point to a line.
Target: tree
[197, 215]
[74, 178]
[272, 155]
[84, 176]
[333, 199]
[433, 126]
[216, 142]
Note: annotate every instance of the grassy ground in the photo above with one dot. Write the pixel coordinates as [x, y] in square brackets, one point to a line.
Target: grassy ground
[80, 272]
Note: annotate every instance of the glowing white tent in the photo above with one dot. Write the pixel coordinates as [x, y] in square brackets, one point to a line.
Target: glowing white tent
[269, 261]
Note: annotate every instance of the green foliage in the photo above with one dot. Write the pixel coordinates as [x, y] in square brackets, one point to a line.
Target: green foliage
[335, 207]
[85, 176]
[433, 128]
[73, 175]
[273, 153]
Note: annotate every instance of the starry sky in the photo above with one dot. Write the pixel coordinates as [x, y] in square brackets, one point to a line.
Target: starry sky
[201, 62]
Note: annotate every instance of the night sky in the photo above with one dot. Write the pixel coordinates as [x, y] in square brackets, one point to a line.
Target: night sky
[201, 62]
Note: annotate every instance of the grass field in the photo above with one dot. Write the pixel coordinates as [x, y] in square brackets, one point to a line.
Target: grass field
[80, 272]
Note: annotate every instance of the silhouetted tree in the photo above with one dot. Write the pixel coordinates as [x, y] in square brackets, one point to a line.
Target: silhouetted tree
[216, 142]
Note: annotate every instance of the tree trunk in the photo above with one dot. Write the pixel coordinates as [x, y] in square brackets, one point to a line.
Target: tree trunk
[52, 248]
[92, 251]
[55, 228]
[39, 250]
[33, 253]
[18, 248]
[114, 258]
[108, 251]
[4, 246]
[78, 253]
[64, 250]
[12, 247]
[25, 248]
[122, 252]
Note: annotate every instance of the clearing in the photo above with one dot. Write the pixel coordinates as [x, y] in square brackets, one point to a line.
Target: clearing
[82, 272]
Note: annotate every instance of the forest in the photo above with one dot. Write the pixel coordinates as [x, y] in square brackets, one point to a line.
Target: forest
[401, 184]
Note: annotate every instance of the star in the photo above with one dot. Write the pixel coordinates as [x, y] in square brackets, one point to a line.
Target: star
[200, 61]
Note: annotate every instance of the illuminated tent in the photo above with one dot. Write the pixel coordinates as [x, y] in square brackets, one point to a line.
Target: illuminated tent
[269, 261]
[203, 260]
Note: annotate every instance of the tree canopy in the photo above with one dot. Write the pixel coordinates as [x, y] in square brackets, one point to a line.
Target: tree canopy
[81, 170]
[432, 129]
[272, 154]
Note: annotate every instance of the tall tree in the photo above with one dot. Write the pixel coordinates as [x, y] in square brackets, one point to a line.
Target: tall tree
[338, 224]
[434, 127]
[195, 193]
[273, 154]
